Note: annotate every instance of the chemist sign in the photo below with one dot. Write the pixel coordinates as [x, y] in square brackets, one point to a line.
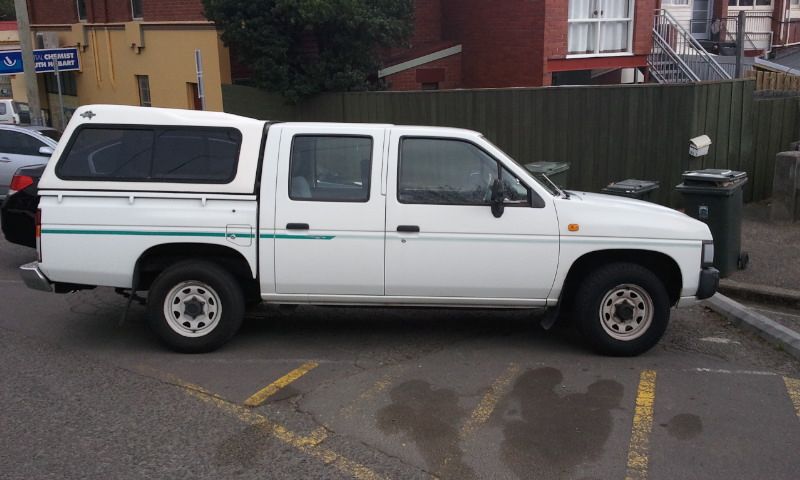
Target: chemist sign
[65, 59]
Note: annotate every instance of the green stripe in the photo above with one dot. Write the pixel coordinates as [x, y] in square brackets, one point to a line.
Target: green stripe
[298, 237]
[145, 233]
[182, 234]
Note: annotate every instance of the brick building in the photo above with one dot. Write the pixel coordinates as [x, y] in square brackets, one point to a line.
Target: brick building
[522, 43]
[135, 52]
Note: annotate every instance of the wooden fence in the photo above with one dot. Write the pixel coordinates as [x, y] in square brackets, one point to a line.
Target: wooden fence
[606, 133]
[774, 81]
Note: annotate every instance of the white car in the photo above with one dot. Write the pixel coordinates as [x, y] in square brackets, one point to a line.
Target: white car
[207, 211]
[23, 147]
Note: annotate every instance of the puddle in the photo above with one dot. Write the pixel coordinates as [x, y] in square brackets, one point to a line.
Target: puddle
[431, 418]
[551, 432]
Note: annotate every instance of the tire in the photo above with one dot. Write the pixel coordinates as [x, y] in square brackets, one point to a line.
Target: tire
[212, 306]
[622, 309]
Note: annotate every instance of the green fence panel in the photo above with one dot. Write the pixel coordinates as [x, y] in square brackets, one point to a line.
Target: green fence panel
[606, 133]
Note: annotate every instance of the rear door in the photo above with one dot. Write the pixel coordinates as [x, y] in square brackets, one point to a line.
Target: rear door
[329, 211]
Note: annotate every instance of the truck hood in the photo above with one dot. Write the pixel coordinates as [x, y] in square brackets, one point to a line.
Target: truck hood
[601, 215]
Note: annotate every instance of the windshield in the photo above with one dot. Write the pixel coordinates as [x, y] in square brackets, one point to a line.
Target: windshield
[545, 182]
[20, 107]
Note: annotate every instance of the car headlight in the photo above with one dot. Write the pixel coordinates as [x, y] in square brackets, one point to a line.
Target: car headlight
[707, 260]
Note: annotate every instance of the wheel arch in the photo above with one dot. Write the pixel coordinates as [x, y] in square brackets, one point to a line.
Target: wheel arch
[661, 264]
[158, 258]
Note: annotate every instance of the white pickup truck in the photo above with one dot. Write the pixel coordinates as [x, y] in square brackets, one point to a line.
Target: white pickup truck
[208, 212]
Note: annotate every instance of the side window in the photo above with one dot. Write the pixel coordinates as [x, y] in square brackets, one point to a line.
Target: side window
[108, 154]
[196, 155]
[327, 168]
[20, 144]
[3, 109]
[166, 154]
[516, 192]
[452, 172]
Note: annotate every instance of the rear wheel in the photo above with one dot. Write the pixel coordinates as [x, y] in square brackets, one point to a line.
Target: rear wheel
[622, 309]
[195, 306]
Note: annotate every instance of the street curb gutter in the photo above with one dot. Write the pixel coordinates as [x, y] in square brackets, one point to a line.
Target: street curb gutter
[760, 293]
[766, 328]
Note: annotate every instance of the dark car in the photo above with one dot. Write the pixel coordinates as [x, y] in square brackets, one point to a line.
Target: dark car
[18, 213]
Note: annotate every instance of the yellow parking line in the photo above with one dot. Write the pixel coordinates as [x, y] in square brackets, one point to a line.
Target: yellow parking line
[484, 410]
[793, 388]
[642, 425]
[378, 387]
[309, 445]
[261, 396]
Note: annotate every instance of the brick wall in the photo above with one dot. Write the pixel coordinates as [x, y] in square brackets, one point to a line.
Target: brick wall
[502, 44]
[408, 79]
[53, 11]
[427, 21]
[173, 10]
[114, 11]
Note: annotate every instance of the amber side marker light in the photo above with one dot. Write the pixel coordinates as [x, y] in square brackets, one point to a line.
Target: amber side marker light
[573, 227]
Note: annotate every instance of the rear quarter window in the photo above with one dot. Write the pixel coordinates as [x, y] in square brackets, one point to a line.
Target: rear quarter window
[152, 154]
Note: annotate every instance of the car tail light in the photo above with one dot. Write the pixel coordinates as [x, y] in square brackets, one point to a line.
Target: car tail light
[39, 234]
[19, 182]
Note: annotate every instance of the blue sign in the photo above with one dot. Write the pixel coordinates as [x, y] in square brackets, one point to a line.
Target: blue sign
[67, 58]
[10, 62]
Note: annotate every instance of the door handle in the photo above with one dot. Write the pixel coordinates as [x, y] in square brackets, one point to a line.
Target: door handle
[5, 160]
[408, 228]
[297, 226]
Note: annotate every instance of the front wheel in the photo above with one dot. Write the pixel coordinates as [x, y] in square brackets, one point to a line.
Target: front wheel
[195, 306]
[622, 309]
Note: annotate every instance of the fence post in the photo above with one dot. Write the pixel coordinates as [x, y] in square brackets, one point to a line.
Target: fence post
[741, 20]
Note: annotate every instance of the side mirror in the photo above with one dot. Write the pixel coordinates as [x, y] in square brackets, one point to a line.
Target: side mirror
[46, 151]
[498, 198]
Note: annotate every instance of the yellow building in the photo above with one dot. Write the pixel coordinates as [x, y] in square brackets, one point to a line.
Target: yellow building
[131, 52]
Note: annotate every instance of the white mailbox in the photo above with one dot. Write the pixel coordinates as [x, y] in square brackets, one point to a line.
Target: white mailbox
[698, 146]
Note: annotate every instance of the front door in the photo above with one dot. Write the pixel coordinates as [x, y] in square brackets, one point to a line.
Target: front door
[442, 239]
[329, 211]
[701, 18]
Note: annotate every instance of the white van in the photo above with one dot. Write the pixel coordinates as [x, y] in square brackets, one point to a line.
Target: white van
[13, 112]
[208, 211]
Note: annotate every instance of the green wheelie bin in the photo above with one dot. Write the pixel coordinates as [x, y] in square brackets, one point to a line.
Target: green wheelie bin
[714, 196]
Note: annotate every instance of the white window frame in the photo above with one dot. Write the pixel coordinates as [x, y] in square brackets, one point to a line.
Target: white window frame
[142, 102]
[78, 10]
[631, 25]
[133, 12]
[750, 7]
[676, 3]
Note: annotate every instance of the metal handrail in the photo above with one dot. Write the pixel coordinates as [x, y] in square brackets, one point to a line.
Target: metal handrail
[699, 50]
[686, 51]
[673, 55]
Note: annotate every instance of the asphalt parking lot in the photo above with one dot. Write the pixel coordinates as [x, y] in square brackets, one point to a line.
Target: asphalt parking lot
[381, 393]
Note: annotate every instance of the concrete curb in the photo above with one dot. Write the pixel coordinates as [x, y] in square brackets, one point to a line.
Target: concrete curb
[766, 328]
[760, 293]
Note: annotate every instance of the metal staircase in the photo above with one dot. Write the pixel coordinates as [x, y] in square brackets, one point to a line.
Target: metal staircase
[677, 57]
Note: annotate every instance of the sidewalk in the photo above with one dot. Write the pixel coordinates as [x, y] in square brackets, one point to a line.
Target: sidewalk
[769, 289]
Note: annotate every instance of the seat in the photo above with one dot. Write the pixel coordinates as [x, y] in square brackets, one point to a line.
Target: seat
[300, 188]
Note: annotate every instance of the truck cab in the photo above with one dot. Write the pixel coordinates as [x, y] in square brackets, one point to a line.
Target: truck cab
[208, 212]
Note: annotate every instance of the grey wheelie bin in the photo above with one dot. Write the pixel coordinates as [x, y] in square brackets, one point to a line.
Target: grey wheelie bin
[555, 171]
[638, 189]
[714, 197]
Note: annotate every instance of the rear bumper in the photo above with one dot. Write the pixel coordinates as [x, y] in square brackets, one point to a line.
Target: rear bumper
[34, 278]
[709, 283]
